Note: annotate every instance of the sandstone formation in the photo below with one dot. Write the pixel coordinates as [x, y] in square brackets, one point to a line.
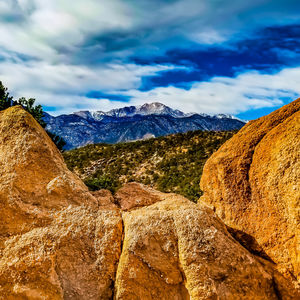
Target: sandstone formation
[55, 242]
[175, 249]
[253, 184]
[33, 175]
[59, 241]
[134, 195]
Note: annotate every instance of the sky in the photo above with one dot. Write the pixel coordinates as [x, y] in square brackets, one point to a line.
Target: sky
[205, 56]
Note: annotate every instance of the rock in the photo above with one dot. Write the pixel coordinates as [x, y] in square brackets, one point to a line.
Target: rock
[252, 182]
[75, 257]
[55, 243]
[33, 175]
[175, 249]
[133, 195]
[58, 241]
[104, 198]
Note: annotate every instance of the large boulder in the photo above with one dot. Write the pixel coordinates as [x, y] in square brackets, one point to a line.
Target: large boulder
[58, 241]
[175, 249]
[75, 257]
[253, 184]
[34, 177]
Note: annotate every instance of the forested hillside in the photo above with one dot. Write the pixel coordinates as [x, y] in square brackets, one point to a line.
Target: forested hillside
[170, 164]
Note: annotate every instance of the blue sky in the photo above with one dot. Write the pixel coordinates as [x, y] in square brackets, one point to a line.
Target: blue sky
[210, 56]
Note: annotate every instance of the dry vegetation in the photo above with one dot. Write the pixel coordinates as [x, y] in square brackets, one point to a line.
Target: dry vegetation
[170, 164]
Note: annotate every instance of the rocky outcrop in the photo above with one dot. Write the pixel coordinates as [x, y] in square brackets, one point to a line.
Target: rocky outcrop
[253, 184]
[58, 241]
[75, 257]
[134, 195]
[55, 240]
[175, 249]
[34, 178]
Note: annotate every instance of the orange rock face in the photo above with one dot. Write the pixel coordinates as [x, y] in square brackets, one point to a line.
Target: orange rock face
[56, 242]
[59, 241]
[175, 249]
[134, 195]
[253, 184]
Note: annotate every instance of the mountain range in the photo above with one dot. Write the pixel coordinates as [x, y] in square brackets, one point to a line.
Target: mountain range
[132, 123]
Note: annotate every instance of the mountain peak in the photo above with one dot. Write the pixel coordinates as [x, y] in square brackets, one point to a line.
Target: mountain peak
[153, 108]
[157, 108]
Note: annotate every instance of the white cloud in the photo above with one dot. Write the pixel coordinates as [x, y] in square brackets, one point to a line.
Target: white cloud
[249, 90]
[62, 85]
[43, 26]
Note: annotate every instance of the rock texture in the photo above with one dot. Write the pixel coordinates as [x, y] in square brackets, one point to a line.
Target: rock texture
[175, 249]
[33, 175]
[253, 184]
[58, 241]
[134, 195]
[55, 241]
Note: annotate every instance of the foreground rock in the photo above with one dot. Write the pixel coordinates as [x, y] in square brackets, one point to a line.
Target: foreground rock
[58, 241]
[33, 175]
[75, 257]
[55, 243]
[175, 249]
[253, 184]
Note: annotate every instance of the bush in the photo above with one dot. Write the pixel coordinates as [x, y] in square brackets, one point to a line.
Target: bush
[170, 164]
[102, 182]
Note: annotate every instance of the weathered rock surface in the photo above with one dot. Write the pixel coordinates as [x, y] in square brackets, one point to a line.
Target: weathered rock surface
[134, 195]
[58, 241]
[33, 175]
[55, 243]
[253, 184]
[175, 249]
[73, 258]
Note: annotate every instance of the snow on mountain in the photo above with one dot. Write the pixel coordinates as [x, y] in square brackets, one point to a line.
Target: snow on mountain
[133, 123]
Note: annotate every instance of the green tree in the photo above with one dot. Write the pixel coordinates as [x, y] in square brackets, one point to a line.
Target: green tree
[35, 110]
[5, 99]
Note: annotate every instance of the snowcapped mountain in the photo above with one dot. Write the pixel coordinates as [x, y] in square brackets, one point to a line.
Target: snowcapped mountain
[132, 123]
[146, 109]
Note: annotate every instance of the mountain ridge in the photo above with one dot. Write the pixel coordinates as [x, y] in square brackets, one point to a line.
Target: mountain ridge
[153, 108]
[133, 123]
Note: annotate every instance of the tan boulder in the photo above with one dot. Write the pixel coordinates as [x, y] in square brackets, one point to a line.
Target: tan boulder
[134, 195]
[75, 257]
[34, 177]
[253, 184]
[57, 241]
[175, 249]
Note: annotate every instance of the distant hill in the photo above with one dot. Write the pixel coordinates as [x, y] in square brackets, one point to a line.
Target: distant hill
[170, 164]
[132, 123]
